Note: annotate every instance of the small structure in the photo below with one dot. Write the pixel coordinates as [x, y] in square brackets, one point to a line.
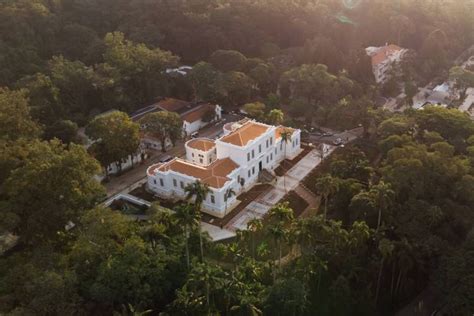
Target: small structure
[195, 115]
[232, 162]
[383, 60]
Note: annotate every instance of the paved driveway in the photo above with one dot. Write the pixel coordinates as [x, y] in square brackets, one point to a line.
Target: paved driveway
[284, 184]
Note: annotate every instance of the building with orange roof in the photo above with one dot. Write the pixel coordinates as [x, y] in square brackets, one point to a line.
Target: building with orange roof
[195, 115]
[232, 162]
[383, 60]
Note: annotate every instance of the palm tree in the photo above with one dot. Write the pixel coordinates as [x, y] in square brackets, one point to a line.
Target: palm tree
[326, 186]
[282, 212]
[285, 138]
[278, 233]
[199, 191]
[254, 225]
[386, 248]
[227, 195]
[187, 218]
[382, 194]
[207, 276]
[275, 117]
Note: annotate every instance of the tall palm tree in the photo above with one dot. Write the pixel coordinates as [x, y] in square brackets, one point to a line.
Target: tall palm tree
[207, 276]
[382, 194]
[278, 233]
[199, 191]
[285, 138]
[227, 195]
[386, 248]
[326, 186]
[254, 225]
[187, 218]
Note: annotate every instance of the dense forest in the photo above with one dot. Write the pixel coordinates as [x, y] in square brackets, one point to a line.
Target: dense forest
[398, 205]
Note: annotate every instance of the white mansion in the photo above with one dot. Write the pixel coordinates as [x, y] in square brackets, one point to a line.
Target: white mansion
[383, 60]
[234, 161]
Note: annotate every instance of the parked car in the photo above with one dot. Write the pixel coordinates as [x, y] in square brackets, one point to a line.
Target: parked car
[194, 135]
[165, 158]
[328, 134]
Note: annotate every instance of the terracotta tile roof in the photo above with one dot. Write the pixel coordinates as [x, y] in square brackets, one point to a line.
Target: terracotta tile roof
[202, 144]
[174, 105]
[383, 53]
[215, 175]
[281, 129]
[243, 135]
[197, 113]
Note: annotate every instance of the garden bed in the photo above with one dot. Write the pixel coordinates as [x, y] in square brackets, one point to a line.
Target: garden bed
[297, 203]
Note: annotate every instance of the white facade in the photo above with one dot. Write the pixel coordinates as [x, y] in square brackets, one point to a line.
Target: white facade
[193, 121]
[201, 151]
[383, 60]
[233, 163]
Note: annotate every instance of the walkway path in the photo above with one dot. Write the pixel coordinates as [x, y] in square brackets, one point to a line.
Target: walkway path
[284, 184]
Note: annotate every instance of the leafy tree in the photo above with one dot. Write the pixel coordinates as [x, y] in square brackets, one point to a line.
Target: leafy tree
[139, 69]
[115, 137]
[464, 78]
[15, 121]
[205, 81]
[64, 130]
[256, 109]
[275, 117]
[237, 87]
[164, 125]
[51, 189]
[228, 60]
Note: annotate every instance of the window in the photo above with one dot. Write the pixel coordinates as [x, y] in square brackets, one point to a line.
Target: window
[161, 182]
[192, 154]
[260, 148]
[249, 174]
[267, 143]
[271, 156]
[267, 159]
[281, 145]
[271, 140]
[200, 160]
[276, 151]
[181, 184]
[238, 179]
[248, 156]
[253, 170]
[175, 183]
[213, 199]
[210, 160]
[154, 181]
[253, 153]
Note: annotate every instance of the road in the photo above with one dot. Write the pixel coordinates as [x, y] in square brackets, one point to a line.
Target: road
[346, 136]
[133, 177]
